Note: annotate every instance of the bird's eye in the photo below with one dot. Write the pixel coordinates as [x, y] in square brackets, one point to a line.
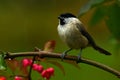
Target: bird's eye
[58, 17]
[62, 20]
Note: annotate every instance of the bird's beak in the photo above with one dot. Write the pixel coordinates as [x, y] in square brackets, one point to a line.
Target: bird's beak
[61, 18]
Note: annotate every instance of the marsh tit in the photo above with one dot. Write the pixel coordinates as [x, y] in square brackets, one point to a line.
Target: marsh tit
[73, 33]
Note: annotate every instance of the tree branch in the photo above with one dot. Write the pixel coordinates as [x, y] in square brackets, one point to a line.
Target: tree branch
[44, 54]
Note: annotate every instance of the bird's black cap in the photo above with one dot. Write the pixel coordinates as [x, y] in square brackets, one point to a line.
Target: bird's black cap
[66, 15]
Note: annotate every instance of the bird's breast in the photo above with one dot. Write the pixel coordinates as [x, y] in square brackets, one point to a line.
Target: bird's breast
[72, 36]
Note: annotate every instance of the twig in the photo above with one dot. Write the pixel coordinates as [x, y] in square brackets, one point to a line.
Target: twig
[30, 70]
[43, 54]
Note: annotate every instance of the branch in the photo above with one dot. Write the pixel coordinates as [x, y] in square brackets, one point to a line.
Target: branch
[44, 54]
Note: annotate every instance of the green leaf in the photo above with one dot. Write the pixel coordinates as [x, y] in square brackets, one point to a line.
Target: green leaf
[113, 20]
[89, 5]
[2, 61]
[97, 16]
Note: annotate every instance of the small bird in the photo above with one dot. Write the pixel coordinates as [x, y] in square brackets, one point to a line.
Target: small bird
[73, 33]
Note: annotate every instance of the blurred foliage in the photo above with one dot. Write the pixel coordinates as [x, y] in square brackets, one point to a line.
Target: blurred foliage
[90, 4]
[107, 10]
[2, 61]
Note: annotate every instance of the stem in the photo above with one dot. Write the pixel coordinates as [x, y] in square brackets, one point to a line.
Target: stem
[30, 71]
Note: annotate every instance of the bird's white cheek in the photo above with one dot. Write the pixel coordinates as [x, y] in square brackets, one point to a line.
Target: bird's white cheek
[62, 32]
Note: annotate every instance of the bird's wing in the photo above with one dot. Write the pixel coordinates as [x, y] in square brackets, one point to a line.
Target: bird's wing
[85, 33]
[90, 39]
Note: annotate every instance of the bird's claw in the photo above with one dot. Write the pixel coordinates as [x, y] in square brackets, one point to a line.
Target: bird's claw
[78, 59]
[63, 55]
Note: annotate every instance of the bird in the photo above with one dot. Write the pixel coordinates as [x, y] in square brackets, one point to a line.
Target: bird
[74, 34]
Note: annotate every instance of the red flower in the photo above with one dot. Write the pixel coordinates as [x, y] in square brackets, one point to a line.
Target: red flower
[37, 67]
[18, 78]
[26, 62]
[2, 78]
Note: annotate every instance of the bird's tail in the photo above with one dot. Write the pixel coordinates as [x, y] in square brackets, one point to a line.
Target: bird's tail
[101, 50]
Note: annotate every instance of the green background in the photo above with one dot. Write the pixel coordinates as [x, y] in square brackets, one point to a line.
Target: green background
[25, 24]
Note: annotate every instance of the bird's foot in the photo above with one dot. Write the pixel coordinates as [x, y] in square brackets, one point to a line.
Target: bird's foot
[78, 59]
[63, 55]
